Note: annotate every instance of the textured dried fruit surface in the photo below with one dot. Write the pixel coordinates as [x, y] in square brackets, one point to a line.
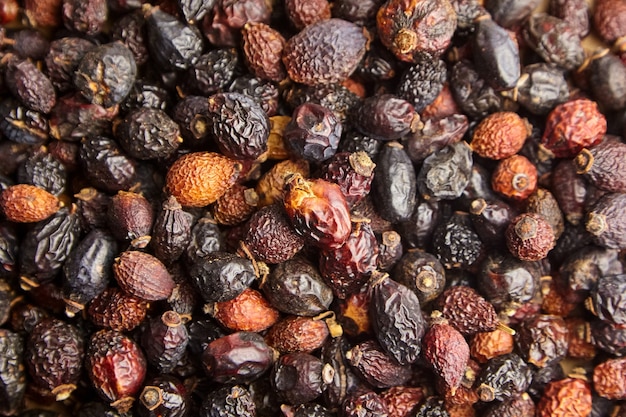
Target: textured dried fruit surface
[297, 334]
[324, 52]
[198, 179]
[604, 165]
[413, 29]
[609, 20]
[607, 221]
[500, 135]
[566, 397]
[24, 203]
[116, 310]
[572, 126]
[488, 345]
[515, 177]
[263, 47]
[466, 310]
[142, 275]
[376, 367]
[447, 352]
[609, 379]
[542, 340]
[530, 237]
[248, 312]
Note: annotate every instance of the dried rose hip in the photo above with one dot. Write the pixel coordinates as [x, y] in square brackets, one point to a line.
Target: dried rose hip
[24, 203]
[488, 345]
[466, 310]
[414, 29]
[300, 377]
[247, 312]
[530, 237]
[27, 83]
[198, 179]
[604, 165]
[116, 367]
[116, 310]
[163, 396]
[609, 20]
[298, 334]
[263, 47]
[313, 132]
[542, 340]
[324, 52]
[515, 177]
[318, 211]
[609, 379]
[572, 126]
[386, 117]
[500, 135]
[142, 275]
[503, 377]
[302, 13]
[222, 25]
[606, 220]
[422, 273]
[12, 372]
[376, 367]
[569, 396]
[164, 341]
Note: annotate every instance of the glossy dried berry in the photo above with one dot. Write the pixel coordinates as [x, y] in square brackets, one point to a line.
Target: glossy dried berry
[21, 125]
[541, 87]
[542, 202]
[142, 275]
[324, 52]
[298, 334]
[88, 17]
[130, 218]
[237, 358]
[318, 211]
[446, 352]
[416, 29]
[347, 268]
[502, 378]
[474, 95]
[606, 221]
[353, 172]
[106, 74]
[515, 177]
[364, 402]
[542, 340]
[163, 396]
[606, 77]
[221, 276]
[397, 319]
[164, 341]
[607, 298]
[530, 237]
[604, 165]
[446, 173]
[87, 270]
[554, 40]
[105, 164]
[247, 312]
[239, 125]
[198, 179]
[172, 44]
[148, 133]
[116, 368]
[262, 48]
[295, 287]
[488, 345]
[12, 372]
[313, 132]
[496, 54]
[395, 183]
[572, 126]
[74, 118]
[264, 91]
[334, 97]
[24, 203]
[386, 117]
[54, 355]
[569, 396]
[116, 310]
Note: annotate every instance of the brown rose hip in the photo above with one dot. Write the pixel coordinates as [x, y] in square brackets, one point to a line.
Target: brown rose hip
[142, 275]
[572, 126]
[488, 345]
[117, 310]
[298, 334]
[604, 165]
[24, 203]
[302, 13]
[262, 48]
[249, 312]
[198, 179]
[609, 19]
[500, 135]
[515, 177]
[530, 237]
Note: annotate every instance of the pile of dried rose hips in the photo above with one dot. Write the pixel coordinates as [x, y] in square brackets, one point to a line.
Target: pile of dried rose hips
[312, 209]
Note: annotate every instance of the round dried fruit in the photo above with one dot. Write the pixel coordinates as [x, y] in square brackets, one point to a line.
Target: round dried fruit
[530, 237]
[500, 135]
[515, 177]
[24, 203]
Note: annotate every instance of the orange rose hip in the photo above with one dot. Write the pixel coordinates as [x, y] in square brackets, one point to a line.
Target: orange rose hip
[500, 135]
[199, 179]
[515, 178]
[24, 203]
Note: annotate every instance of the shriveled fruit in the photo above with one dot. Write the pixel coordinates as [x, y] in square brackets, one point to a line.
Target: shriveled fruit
[604, 165]
[606, 220]
[515, 177]
[466, 310]
[609, 379]
[569, 396]
[324, 52]
[500, 135]
[198, 179]
[249, 312]
[24, 203]
[142, 275]
[262, 47]
[530, 237]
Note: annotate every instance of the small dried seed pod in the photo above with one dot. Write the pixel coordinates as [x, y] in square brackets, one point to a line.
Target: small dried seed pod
[24, 203]
[604, 165]
[515, 177]
[117, 310]
[142, 275]
[130, 218]
[530, 237]
[500, 135]
[116, 367]
[199, 179]
[376, 367]
[247, 312]
[607, 221]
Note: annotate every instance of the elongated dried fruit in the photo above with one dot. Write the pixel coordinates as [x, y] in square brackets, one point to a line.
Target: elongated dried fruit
[24, 203]
[116, 367]
[377, 368]
[116, 310]
[569, 396]
[324, 52]
[496, 54]
[198, 179]
[249, 311]
[130, 218]
[263, 47]
[466, 310]
[397, 319]
[297, 334]
[500, 135]
[12, 372]
[164, 341]
[604, 165]
[142, 275]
